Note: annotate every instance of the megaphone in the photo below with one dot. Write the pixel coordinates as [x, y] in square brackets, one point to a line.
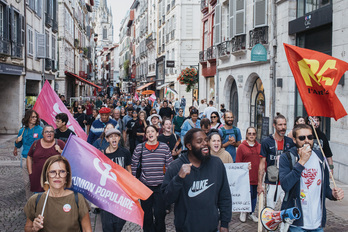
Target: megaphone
[271, 219]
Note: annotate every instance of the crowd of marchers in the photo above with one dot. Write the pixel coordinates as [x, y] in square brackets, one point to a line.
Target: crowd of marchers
[182, 160]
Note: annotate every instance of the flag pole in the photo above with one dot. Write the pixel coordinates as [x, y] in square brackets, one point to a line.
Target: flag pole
[321, 149]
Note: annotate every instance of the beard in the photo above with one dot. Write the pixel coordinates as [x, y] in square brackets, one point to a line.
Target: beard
[229, 123]
[199, 155]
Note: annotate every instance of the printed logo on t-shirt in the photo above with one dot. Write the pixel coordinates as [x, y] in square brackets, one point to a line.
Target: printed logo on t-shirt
[309, 176]
[198, 187]
[67, 208]
[35, 135]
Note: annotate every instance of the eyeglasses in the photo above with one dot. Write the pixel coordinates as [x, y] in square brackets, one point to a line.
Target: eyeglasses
[303, 137]
[49, 132]
[249, 133]
[60, 173]
[213, 117]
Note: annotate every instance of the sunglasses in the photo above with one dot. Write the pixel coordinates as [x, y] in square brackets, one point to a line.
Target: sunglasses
[303, 137]
[249, 133]
[213, 117]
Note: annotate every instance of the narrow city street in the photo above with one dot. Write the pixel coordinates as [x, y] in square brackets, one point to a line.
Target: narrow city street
[12, 201]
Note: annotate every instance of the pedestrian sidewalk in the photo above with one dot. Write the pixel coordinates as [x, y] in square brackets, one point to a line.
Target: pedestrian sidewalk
[339, 208]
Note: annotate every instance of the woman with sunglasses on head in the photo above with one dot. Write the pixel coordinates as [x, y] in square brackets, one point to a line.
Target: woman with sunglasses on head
[215, 120]
[27, 135]
[249, 151]
[155, 157]
[64, 209]
[39, 152]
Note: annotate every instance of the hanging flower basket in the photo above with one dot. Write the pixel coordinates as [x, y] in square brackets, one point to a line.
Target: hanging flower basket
[189, 77]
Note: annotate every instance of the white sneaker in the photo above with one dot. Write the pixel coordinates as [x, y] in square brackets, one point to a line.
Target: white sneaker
[253, 217]
[242, 217]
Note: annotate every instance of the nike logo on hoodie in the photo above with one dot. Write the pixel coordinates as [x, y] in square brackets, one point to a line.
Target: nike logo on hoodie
[198, 187]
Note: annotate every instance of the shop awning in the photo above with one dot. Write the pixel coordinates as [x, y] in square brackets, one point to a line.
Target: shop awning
[82, 79]
[164, 85]
[144, 86]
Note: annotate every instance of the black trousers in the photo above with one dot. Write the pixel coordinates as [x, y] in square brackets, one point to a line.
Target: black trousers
[154, 211]
[110, 222]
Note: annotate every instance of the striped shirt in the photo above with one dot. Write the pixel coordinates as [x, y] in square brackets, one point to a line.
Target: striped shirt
[153, 163]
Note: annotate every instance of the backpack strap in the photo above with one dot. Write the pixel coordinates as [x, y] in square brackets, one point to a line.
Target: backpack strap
[34, 145]
[223, 133]
[292, 161]
[37, 199]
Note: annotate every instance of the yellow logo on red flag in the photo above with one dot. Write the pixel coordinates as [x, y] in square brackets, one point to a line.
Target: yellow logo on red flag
[317, 75]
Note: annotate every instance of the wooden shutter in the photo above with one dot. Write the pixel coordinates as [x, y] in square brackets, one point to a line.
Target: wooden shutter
[231, 19]
[6, 23]
[22, 28]
[260, 13]
[12, 26]
[217, 22]
[240, 17]
[40, 46]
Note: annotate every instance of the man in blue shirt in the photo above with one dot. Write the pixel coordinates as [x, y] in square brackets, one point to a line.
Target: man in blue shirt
[231, 136]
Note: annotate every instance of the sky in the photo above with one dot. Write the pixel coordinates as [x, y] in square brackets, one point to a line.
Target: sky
[119, 10]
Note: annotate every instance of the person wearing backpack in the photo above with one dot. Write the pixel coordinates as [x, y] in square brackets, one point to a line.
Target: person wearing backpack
[304, 176]
[271, 149]
[231, 136]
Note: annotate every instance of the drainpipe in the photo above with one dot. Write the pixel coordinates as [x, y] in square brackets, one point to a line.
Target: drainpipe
[273, 54]
[43, 31]
[25, 54]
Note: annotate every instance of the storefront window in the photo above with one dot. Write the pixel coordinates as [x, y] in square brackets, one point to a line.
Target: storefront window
[306, 6]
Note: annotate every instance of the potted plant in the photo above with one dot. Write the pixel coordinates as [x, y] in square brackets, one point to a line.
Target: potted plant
[188, 77]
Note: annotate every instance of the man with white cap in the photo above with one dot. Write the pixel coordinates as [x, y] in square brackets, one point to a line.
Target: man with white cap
[156, 120]
[122, 157]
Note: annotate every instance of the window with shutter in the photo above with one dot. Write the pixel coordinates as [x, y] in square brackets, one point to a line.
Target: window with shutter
[40, 46]
[30, 48]
[224, 22]
[217, 26]
[53, 47]
[231, 19]
[240, 17]
[2, 11]
[22, 30]
[260, 13]
[47, 35]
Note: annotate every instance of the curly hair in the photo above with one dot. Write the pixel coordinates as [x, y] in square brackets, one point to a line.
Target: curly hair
[28, 113]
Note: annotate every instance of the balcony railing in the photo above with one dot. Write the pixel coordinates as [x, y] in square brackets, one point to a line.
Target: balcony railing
[224, 48]
[204, 6]
[17, 51]
[48, 64]
[54, 26]
[48, 20]
[238, 43]
[203, 56]
[258, 35]
[211, 53]
[5, 46]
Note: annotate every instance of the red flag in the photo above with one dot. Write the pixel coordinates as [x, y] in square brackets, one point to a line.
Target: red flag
[48, 105]
[317, 75]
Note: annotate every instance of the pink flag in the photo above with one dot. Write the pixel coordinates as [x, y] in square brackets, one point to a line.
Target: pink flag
[48, 105]
[136, 97]
[152, 97]
[105, 183]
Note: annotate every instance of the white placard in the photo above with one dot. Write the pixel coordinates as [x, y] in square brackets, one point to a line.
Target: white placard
[238, 180]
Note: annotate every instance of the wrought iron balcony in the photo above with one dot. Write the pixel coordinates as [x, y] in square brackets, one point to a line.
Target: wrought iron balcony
[258, 36]
[17, 51]
[48, 20]
[211, 53]
[204, 6]
[48, 64]
[224, 48]
[238, 43]
[54, 26]
[5, 46]
[203, 56]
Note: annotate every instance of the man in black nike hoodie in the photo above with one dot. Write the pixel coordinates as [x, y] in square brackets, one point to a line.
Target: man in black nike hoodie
[197, 183]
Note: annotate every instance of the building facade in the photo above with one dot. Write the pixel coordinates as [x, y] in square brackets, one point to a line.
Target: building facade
[256, 89]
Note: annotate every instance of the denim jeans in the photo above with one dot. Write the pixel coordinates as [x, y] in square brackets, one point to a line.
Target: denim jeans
[110, 222]
[299, 229]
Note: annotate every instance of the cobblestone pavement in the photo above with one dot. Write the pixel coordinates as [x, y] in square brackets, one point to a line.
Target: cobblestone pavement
[12, 201]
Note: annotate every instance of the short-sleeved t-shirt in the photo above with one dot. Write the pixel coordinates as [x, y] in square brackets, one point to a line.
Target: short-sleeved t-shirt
[63, 135]
[169, 140]
[121, 157]
[61, 213]
[235, 132]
